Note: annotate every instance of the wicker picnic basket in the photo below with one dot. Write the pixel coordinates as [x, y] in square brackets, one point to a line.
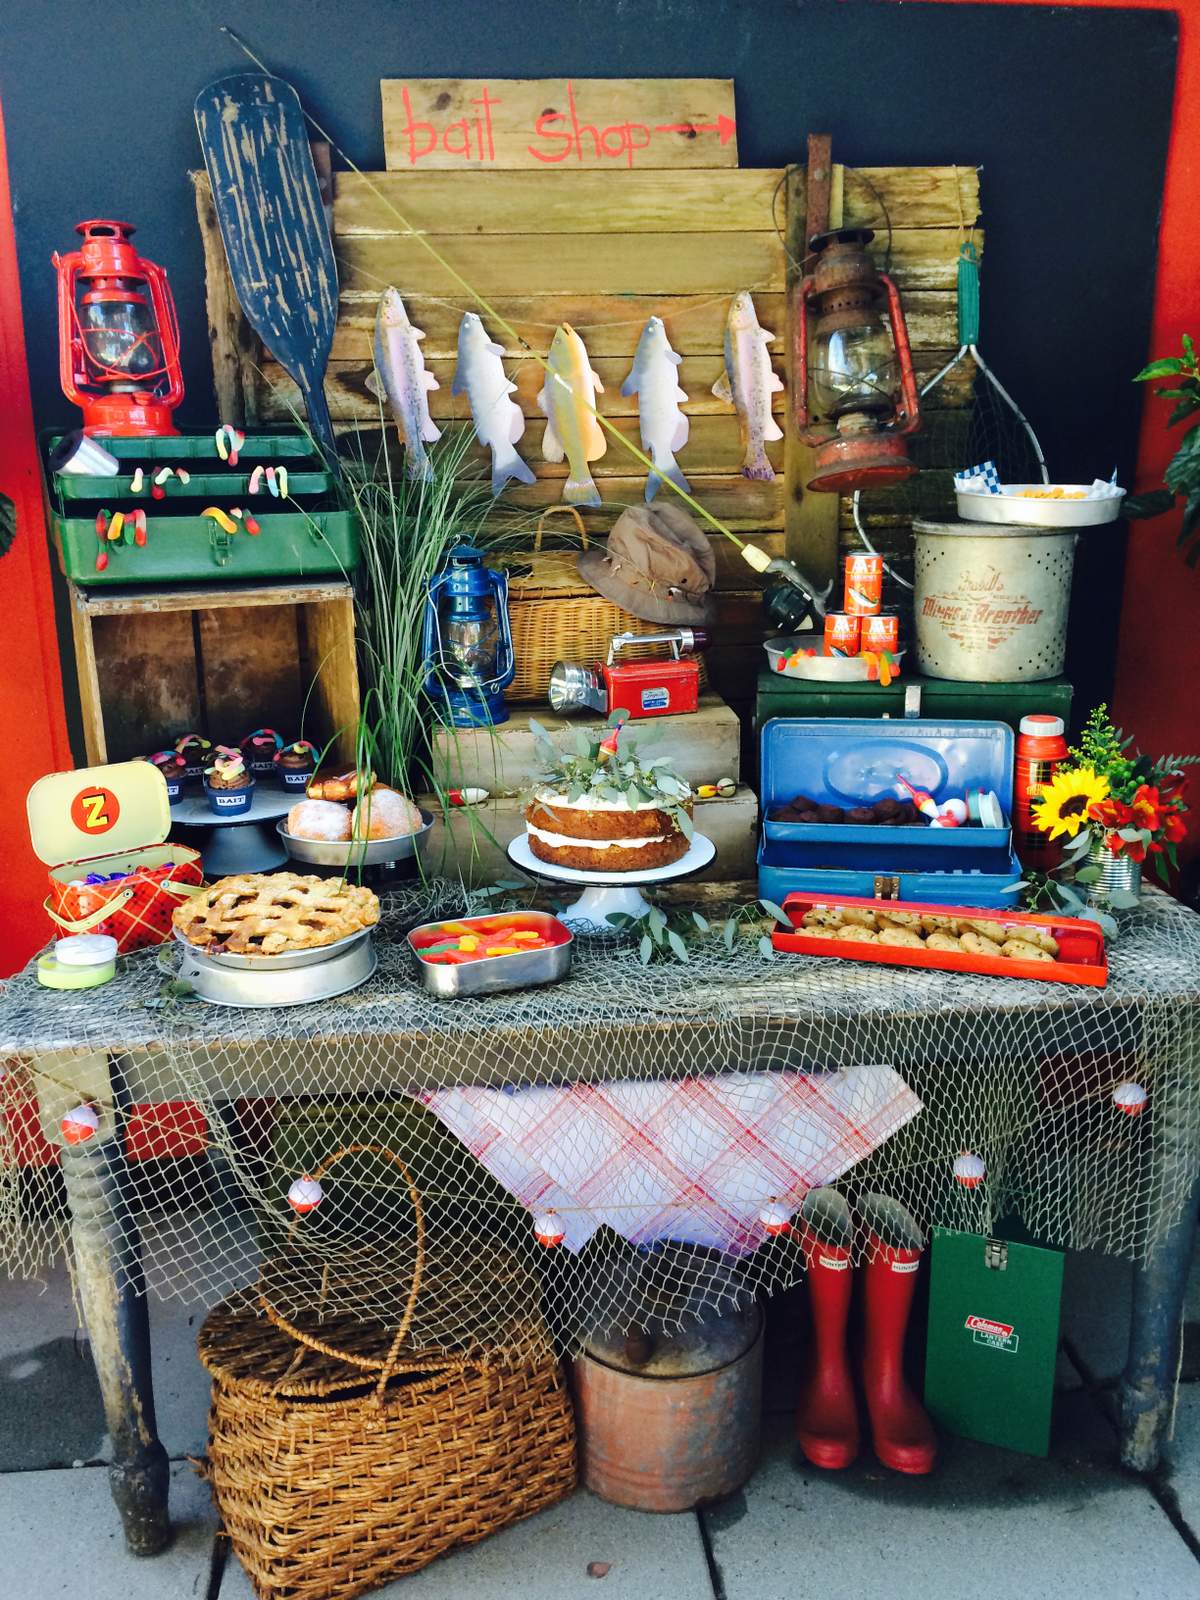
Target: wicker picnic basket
[340, 1457]
[555, 615]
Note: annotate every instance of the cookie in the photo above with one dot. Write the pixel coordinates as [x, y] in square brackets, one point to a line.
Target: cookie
[814, 930]
[904, 937]
[975, 943]
[823, 917]
[859, 915]
[941, 939]
[1022, 950]
[1038, 936]
[854, 931]
[934, 922]
[901, 919]
[995, 931]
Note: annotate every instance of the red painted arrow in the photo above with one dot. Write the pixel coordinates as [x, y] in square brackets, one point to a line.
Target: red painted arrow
[725, 126]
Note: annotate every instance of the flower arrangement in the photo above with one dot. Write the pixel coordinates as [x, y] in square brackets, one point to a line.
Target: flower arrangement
[1107, 793]
[614, 770]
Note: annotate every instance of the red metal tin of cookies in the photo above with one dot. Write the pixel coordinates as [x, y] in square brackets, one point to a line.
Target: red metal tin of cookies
[881, 632]
[1081, 956]
[841, 634]
[863, 585]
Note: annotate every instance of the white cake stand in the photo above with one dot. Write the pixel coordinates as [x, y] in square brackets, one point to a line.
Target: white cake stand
[608, 892]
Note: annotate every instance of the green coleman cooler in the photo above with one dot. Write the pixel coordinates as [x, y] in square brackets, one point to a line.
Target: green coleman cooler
[938, 698]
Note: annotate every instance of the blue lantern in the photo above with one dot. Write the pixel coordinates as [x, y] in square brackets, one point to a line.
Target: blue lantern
[466, 640]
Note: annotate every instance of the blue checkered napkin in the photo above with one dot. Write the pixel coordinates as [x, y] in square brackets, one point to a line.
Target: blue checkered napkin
[983, 479]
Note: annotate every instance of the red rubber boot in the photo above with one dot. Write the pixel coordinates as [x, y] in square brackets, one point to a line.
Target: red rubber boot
[903, 1434]
[827, 1416]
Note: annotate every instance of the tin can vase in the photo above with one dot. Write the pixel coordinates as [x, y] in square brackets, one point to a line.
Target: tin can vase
[1118, 875]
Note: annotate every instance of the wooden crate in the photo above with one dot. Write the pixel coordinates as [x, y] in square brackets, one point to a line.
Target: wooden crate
[223, 660]
[604, 250]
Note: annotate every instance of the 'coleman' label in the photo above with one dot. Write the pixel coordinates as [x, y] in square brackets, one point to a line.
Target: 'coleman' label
[996, 1335]
[656, 699]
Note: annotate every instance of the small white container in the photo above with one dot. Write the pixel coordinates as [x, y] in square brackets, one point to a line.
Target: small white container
[86, 950]
[1012, 507]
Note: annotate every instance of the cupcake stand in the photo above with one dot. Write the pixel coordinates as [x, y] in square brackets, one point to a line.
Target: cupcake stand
[609, 893]
[244, 843]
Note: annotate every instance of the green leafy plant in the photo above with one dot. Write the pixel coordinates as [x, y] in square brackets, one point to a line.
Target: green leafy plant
[612, 771]
[1182, 477]
[675, 935]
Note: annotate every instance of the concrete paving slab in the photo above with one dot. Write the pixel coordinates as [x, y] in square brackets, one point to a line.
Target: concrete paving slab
[60, 1537]
[988, 1520]
[547, 1557]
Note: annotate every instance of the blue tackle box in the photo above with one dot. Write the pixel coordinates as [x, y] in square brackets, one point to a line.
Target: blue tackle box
[856, 761]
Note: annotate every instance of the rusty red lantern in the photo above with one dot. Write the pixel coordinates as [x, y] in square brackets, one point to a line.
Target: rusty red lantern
[118, 335]
[856, 395]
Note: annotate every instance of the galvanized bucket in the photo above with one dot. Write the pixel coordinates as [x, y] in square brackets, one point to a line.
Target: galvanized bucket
[991, 601]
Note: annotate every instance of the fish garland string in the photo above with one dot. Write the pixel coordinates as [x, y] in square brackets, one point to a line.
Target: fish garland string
[654, 378]
[402, 378]
[567, 401]
[748, 382]
[499, 423]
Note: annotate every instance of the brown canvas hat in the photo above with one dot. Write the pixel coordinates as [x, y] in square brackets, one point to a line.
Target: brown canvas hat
[658, 566]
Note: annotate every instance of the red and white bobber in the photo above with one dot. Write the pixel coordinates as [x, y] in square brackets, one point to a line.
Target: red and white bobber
[775, 1217]
[80, 1124]
[969, 1169]
[548, 1229]
[1130, 1098]
[305, 1195]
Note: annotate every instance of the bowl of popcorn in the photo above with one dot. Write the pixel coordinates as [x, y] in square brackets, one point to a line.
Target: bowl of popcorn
[1040, 505]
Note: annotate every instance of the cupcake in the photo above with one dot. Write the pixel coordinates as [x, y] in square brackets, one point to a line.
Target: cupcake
[196, 751]
[228, 783]
[172, 766]
[260, 749]
[296, 763]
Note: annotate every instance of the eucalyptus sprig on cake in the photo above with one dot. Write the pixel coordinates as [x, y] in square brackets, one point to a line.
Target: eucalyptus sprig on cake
[604, 806]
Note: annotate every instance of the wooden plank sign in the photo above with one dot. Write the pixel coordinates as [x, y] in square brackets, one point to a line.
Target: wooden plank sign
[501, 124]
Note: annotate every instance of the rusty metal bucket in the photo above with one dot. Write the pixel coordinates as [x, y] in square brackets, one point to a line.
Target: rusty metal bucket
[669, 1423]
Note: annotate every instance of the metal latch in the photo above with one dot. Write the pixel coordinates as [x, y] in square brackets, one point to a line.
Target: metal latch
[912, 699]
[995, 1255]
[886, 888]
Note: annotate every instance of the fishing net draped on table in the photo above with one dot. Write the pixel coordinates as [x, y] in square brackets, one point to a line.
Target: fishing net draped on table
[654, 1112]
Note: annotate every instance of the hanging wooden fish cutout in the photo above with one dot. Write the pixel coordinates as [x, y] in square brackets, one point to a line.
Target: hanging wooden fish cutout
[499, 424]
[748, 383]
[567, 399]
[654, 378]
[402, 379]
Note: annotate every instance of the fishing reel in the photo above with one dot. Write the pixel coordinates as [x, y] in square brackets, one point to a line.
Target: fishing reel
[791, 600]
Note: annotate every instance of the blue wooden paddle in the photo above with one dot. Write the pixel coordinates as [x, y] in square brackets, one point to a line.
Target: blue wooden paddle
[272, 221]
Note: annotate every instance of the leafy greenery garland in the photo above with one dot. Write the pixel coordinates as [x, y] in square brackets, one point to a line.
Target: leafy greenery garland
[613, 772]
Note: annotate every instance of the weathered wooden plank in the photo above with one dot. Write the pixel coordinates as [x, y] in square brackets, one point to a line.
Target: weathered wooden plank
[537, 123]
[571, 263]
[328, 661]
[233, 341]
[912, 197]
[612, 325]
[558, 201]
[248, 664]
[146, 688]
[740, 504]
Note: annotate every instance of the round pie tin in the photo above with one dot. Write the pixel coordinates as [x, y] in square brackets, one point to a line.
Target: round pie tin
[284, 962]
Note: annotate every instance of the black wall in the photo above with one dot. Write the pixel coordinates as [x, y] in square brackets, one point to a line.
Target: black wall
[1067, 111]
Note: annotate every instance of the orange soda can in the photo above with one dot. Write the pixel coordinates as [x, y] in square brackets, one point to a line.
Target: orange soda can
[864, 585]
[881, 632]
[841, 634]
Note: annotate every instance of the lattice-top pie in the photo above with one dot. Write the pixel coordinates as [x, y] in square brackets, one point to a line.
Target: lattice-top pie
[268, 914]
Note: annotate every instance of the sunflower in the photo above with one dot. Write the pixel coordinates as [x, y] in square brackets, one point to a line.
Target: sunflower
[1062, 806]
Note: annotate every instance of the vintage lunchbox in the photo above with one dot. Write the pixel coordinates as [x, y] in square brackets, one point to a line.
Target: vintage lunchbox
[100, 822]
[853, 762]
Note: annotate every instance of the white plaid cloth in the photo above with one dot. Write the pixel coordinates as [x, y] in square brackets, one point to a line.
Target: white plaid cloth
[983, 479]
[691, 1160]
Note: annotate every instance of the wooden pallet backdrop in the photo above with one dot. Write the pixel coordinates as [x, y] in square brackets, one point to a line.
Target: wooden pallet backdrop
[603, 250]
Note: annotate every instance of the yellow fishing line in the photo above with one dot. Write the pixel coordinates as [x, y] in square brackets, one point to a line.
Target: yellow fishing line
[756, 558]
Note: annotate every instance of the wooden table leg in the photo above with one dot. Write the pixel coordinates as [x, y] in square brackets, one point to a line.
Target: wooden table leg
[108, 1269]
[1150, 1380]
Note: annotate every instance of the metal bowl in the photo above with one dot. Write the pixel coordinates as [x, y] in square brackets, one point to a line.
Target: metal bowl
[221, 985]
[285, 962]
[818, 669]
[1010, 508]
[496, 974]
[355, 852]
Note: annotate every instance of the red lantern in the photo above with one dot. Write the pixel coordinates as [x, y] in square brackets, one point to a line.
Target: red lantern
[863, 400]
[118, 336]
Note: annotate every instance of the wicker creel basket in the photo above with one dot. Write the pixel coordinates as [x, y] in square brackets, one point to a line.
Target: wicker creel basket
[340, 1459]
[555, 616]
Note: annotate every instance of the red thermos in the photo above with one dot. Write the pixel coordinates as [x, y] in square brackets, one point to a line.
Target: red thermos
[1041, 748]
